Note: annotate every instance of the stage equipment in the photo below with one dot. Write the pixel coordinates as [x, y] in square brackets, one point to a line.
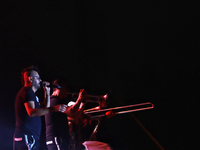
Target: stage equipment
[91, 98]
[92, 144]
[120, 110]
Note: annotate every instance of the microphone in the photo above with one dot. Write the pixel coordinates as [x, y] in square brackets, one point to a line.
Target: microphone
[51, 85]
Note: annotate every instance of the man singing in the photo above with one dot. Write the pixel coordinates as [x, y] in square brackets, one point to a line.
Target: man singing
[28, 110]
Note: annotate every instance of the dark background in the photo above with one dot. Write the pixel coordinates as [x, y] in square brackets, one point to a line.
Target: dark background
[138, 51]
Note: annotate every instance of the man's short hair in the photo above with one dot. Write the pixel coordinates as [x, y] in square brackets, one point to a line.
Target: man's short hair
[28, 70]
[60, 81]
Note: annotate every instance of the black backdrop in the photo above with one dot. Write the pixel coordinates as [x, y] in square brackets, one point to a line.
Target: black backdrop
[138, 51]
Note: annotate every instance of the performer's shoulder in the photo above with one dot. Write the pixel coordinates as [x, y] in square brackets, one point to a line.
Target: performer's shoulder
[25, 90]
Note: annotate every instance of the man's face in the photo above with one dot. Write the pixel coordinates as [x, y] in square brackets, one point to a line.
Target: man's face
[63, 90]
[35, 79]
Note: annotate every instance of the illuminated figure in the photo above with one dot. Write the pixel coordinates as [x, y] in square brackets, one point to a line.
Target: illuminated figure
[28, 110]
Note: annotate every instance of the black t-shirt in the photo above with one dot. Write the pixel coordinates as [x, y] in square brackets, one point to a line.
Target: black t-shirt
[57, 122]
[24, 123]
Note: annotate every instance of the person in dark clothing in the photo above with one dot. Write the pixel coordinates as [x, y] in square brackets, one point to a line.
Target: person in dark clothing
[28, 110]
[57, 130]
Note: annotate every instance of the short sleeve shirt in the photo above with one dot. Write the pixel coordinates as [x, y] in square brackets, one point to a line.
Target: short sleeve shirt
[24, 123]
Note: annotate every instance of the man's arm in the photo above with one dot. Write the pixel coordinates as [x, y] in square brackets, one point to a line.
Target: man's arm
[33, 112]
[46, 102]
[70, 111]
[74, 108]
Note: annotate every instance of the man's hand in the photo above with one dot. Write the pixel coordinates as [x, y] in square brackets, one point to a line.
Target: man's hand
[81, 95]
[46, 88]
[61, 108]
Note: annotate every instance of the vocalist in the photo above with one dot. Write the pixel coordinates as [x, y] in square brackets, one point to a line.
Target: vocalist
[28, 110]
